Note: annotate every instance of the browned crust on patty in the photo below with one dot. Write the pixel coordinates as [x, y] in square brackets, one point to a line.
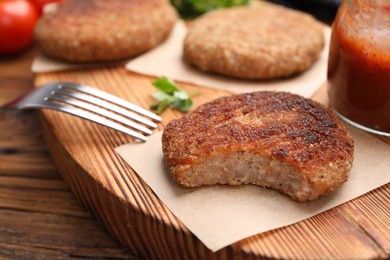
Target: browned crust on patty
[100, 30]
[297, 133]
[255, 42]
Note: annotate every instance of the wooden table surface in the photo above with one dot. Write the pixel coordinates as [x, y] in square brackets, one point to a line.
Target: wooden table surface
[41, 218]
[39, 215]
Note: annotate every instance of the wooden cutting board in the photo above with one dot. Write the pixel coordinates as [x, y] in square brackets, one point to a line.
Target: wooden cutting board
[128, 208]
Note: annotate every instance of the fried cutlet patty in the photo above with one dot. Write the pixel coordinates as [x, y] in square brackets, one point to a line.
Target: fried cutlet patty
[272, 139]
[255, 42]
[100, 30]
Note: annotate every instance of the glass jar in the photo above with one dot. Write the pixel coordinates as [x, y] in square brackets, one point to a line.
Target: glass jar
[359, 64]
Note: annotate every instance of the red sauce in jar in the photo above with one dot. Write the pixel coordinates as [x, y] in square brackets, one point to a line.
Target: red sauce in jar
[359, 70]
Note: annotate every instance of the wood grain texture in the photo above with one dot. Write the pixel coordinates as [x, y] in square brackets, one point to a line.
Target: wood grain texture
[121, 201]
[40, 217]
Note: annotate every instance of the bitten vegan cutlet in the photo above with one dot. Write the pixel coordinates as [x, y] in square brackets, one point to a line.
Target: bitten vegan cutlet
[277, 140]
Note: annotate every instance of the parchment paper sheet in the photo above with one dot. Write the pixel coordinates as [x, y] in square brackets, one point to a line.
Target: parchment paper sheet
[221, 215]
[166, 60]
[42, 64]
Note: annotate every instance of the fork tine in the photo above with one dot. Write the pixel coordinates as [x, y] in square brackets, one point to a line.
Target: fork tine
[94, 118]
[90, 104]
[106, 105]
[110, 98]
[102, 112]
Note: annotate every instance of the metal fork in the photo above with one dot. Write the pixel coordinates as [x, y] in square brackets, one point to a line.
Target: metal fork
[91, 104]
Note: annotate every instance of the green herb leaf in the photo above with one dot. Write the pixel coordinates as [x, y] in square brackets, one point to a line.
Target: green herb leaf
[165, 85]
[186, 105]
[194, 8]
[169, 94]
[160, 96]
[162, 106]
[182, 95]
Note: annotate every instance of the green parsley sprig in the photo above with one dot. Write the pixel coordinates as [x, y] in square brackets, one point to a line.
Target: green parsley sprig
[193, 8]
[169, 94]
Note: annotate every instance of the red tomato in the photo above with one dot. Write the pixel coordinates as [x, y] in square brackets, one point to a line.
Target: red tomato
[17, 21]
[39, 4]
